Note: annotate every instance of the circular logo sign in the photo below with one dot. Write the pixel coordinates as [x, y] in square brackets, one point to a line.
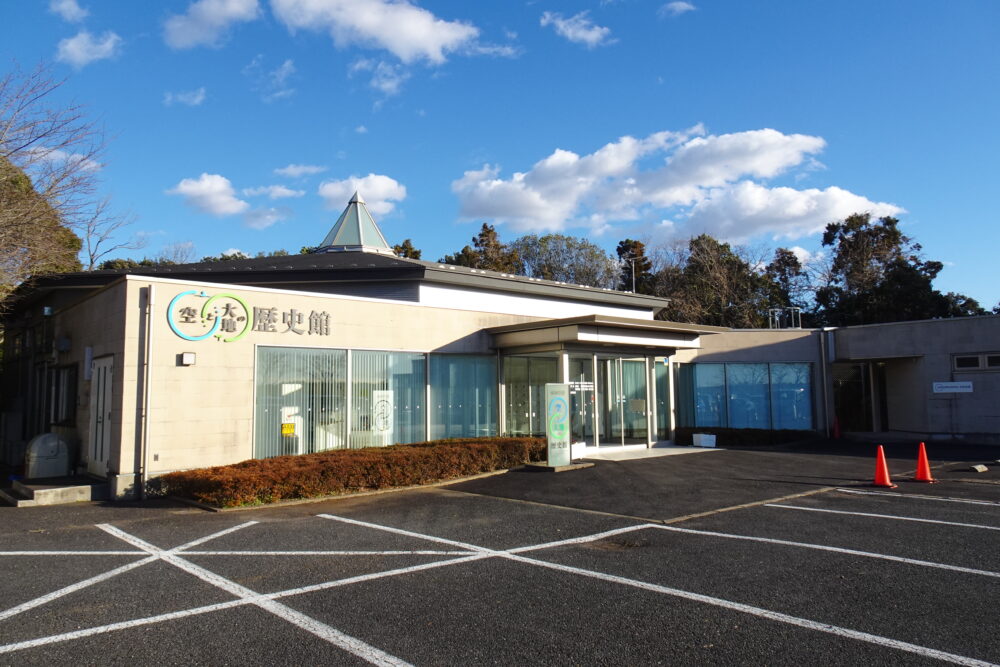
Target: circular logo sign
[194, 315]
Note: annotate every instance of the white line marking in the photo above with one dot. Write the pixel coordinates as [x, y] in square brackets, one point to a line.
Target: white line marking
[228, 605]
[885, 516]
[327, 553]
[202, 540]
[944, 499]
[72, 553]
[840, 550]
[581, 540]
[72, 588]
[717, 602]
[408, 533]
[124, 625]
[323, 631]
[764, 613]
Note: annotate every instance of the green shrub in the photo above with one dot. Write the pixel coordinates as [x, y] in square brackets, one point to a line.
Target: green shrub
[746, 437]
[342, 471]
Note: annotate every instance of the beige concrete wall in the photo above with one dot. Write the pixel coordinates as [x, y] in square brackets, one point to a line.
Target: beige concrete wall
[933, 343]
[202, 415]
[756, 345]
[95, 322]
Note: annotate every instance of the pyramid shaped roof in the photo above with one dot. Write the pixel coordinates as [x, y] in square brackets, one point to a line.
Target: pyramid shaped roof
[355, 231]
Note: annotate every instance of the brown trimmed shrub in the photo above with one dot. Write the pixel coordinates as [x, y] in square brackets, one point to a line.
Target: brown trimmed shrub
[743, 437]
[340, 471]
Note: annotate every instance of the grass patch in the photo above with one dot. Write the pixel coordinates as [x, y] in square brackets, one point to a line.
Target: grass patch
[335, 472]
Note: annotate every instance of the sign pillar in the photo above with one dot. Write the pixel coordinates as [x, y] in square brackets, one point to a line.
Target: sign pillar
[557, 430]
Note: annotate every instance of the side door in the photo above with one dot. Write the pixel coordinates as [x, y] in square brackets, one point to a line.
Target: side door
[100, 416]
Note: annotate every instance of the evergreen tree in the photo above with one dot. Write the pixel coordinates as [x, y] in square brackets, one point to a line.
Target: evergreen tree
[636, 273]
[406, 249]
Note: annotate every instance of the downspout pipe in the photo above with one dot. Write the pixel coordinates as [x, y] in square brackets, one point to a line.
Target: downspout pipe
[147, 369]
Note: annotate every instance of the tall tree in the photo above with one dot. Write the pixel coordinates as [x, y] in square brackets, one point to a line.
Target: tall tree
[406, 249]
[876, 274]
[565, 259]
[59, 151]
[487, 252]
[712, 283]
[636, 273]
[33, 239]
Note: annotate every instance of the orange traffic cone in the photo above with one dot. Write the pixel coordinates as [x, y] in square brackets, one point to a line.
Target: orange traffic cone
[923, 467]
[882, 470]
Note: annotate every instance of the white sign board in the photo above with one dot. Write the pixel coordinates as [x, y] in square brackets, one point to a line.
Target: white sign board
[557, 423]
[953, 387]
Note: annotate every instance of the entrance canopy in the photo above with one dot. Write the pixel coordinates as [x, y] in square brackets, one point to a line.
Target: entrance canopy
[598, 331]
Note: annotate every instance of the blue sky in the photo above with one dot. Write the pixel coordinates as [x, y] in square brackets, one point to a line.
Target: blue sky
[246, 124]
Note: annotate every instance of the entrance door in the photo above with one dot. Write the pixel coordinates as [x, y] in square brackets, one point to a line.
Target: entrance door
[581, 396]
[624, 401]
[100, 416]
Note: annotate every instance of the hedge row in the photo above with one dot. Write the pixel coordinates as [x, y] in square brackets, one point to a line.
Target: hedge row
[342, 471]
[746, 437]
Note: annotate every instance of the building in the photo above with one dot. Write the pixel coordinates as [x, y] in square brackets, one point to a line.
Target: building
[158, 369]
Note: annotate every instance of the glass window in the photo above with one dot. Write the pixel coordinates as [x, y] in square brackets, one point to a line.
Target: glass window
[300, 405]
[387, 398]
[967, 362]
[749, 403]
[791, 396]
[710, 395]
[993, 361]
[463, 396]
[662, 400]
[524, 381]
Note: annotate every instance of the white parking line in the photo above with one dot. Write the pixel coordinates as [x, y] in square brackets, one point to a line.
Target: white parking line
[326, 553]
[322, 630]
[943, 499]
[839, 550]
[885, 516]
[696, 597]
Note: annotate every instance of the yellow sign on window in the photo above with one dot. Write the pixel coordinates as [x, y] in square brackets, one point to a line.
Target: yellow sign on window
[288, 429]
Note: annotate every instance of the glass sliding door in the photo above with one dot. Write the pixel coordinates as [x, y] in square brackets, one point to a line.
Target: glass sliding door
[300, 407]
[582, 398]
[622, 392]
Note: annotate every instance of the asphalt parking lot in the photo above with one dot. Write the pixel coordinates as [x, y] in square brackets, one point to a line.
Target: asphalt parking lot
[729, 557]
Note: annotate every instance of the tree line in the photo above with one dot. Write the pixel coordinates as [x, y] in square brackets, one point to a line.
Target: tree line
[868, 272]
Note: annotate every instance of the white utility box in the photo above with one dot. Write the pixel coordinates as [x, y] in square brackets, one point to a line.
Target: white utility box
[47, 456]
[703, 439]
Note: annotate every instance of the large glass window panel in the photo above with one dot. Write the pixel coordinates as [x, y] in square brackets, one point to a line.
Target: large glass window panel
[300, 406]
[634, 399]
[749, 400]
[387, 398]
[463, 396]
[524, 381]
[581, 397]
[684, 395]
[791, 396]
[710, 395]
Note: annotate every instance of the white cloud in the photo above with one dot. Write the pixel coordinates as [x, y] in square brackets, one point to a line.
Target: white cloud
[262, 218]
[273, 192]
[299, 170]
[676, 8]
[83, 48]
[272, 84]
[361, 129]
[191, 98]
[52, 156]
[378, 191]
[69, 10]
[678, 182]
[210, 193]
[578, 28]
[409, 32]
[744, 210]
[207, 22]
[387, 78]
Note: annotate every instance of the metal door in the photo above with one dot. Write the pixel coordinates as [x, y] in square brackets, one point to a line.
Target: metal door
[100, 416]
